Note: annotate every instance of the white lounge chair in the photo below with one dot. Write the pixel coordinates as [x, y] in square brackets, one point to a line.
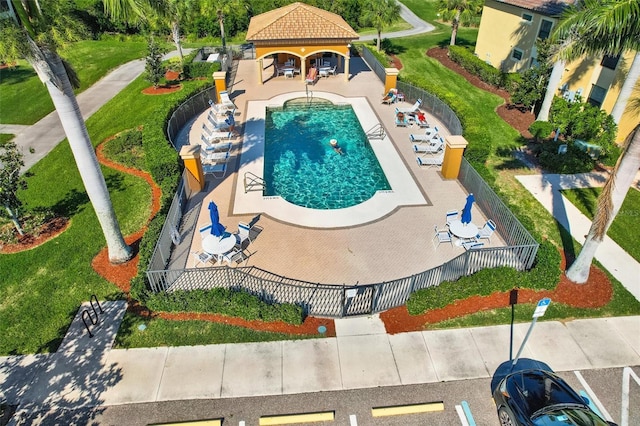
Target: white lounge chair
[430, 161]
[216, 156]
[312, 76]
[429, 134]
[431, 148]
[217, 170]
[211, 135]
[227, 124]
[221, 109]
[225, 100]
[412, 108]
[401, 120]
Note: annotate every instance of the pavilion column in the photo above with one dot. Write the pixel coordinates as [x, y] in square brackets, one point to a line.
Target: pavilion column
[190, 155]
[346, 68]
[260, 67]
[303, 69]
[220, 80]
[454, 149]
[390, 79]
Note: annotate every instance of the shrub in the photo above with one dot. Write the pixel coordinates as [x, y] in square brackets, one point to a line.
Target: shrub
[544, 275]
[126, 148]
[235, 303]
[573, 161]
[541, 129]
[487, 73]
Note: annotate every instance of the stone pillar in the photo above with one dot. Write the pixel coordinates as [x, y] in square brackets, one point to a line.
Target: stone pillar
[190, 155]
[219, 78]
[260, 68]
[454, 148]
[347, 60]
[390, 79]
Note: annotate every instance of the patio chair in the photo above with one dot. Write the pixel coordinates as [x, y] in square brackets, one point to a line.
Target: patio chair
[211, 135]
[220, 125]
[235, 256]
[390, 97]
[205, 230]
[421, 120]
[429, 134]
[430, 161]
[441, 236]
[332, 71]
[487, 230]
[451, 216]
[217, 170]
[288, 73]
[312, 76]
[472, 245]
[413, 108]
[221, 109]
[242, 235]
[202, 257]
[401, 120]
[324, 72]
[216, 156]
[217, 146]
[225, 100]
[430, 148]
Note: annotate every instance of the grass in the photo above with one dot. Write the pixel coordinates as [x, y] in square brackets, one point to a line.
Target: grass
[160, 332]
[25, 100]
[624, 229]
[5, 137]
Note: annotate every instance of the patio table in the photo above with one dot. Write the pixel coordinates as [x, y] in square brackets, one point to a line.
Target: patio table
[464, 231]
[218, 246]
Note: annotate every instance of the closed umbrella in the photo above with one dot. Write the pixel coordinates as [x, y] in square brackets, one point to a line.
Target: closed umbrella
[216, 227]
[466, 211]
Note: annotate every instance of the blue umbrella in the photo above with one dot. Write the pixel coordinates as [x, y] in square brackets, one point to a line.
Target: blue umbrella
[216, 227]
[466, 212]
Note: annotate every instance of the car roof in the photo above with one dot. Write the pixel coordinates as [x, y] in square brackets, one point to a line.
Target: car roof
[536, 389]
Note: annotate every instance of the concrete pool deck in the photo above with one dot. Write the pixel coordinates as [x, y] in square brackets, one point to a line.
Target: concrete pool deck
[396, 244]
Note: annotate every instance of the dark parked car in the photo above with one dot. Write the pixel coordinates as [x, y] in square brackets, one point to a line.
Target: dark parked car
[540, 398]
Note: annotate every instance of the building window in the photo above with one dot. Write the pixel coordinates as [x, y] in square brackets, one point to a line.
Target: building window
[545, 29]
[527, 17]
[597, 95]
[610, 62]
[517, 54]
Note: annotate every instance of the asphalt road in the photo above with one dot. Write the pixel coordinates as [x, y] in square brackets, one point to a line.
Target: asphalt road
[351, 407]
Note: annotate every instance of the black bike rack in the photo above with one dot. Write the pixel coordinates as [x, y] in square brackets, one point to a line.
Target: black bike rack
[95, 319]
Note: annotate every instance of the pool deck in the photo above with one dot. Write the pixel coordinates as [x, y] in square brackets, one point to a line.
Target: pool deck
[391, 244]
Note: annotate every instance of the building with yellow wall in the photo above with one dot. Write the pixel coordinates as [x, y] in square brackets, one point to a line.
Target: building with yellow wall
[506, 40]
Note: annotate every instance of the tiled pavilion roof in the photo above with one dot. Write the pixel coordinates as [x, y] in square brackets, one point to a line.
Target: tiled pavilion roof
[299, 21]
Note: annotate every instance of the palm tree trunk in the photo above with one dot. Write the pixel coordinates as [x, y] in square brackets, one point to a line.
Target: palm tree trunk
[175, 33]
[552, 87]
[49, 65]
[378, 40]
[627, 89]
[454, 29]
[609, 203]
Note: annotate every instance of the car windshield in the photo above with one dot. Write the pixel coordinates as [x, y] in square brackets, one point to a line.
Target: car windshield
[566, 415]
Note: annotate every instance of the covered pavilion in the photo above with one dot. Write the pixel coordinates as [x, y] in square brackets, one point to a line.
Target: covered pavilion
[301, 33]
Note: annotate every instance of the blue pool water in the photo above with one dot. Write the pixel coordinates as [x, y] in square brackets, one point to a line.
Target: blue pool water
[301, 166]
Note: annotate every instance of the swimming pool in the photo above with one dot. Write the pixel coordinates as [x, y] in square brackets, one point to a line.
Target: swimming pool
[302, 167]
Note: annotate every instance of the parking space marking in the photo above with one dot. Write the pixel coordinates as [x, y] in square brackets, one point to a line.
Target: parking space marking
[627, 374]
[395, 410]
[593, 396]
[461, 415]
[352, 420]
[287, 419]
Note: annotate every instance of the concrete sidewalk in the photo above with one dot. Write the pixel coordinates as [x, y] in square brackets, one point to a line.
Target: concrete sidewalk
[361, 356]
[546, 189]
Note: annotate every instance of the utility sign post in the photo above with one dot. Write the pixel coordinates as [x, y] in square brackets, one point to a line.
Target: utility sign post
[541, 308]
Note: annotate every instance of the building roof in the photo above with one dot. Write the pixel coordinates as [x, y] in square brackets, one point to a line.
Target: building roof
[545, 7]
[299, 21]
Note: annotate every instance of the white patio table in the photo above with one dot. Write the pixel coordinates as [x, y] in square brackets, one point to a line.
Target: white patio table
[464, 231]
[218, 246]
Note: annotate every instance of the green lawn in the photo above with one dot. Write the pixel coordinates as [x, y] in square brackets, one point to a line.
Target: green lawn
[25, 100]
[624, 229]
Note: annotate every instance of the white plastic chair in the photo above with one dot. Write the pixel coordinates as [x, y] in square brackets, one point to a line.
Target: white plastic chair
[428, 135]
[472, 245]
[225, 100]
[441, 236]
[429, 148]
[487, 230]
[202, 257]
[205, 230]
[412, 108]
[217, 170]
[332, 71]
[235, 256]
[430, 161]
[451, 216]
[243, 234]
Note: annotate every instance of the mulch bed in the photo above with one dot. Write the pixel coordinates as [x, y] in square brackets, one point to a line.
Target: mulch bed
[595, 293]
[162, 90]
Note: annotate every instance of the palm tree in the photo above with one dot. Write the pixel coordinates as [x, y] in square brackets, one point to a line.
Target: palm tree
[598, 28]
[379, 13]
[36, 31]
[603, 27]
[463, 12]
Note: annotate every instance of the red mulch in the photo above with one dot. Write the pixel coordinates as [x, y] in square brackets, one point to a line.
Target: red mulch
[595, 293]
[162, 90]
[48, 231]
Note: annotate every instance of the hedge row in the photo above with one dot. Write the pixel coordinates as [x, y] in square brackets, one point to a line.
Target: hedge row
[234, 303]
[487, 73]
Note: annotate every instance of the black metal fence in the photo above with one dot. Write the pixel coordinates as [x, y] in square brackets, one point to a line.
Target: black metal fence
[193, 106]
[430, 102]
